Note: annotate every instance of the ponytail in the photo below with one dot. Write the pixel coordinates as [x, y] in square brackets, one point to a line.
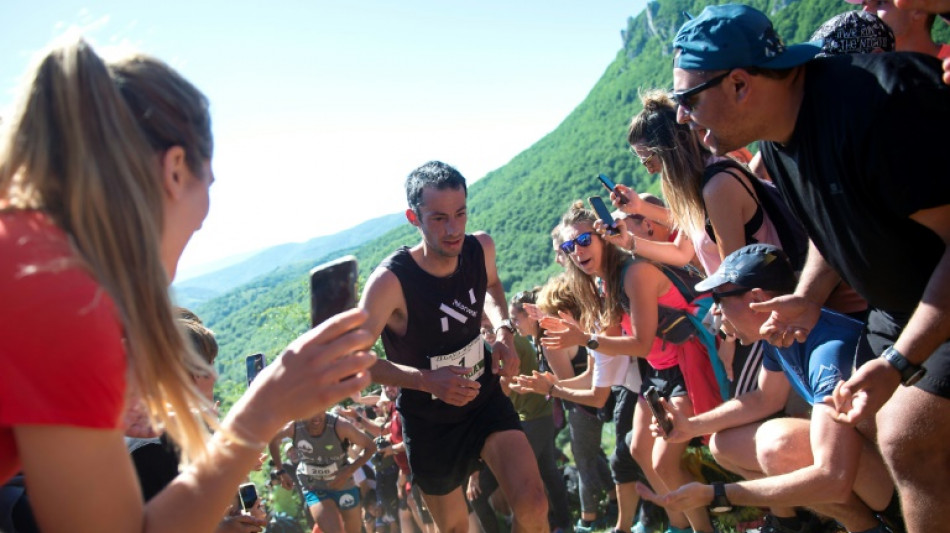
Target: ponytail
[76, 150]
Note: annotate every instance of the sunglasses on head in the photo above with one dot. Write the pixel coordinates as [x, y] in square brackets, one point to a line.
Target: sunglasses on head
[718, 296]
[684, 98]
[583, 240]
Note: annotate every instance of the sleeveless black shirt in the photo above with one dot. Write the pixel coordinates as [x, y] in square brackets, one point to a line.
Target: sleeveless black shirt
[444, 316]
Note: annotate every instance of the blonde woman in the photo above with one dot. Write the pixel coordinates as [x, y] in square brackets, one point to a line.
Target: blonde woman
[104, 177]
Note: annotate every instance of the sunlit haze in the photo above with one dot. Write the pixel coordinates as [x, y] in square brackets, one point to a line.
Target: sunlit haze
[320, 109]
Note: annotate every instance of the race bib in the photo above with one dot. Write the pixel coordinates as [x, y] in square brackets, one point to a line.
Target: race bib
[471, 356]
[323, 473]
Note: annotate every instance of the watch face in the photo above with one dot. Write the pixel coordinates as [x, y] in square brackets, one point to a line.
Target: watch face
[721, 509]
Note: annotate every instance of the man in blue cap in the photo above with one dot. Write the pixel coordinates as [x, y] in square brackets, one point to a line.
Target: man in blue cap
[789, 461]
[856, 146]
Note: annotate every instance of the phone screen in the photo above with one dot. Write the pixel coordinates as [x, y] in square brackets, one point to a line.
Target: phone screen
[603, 213]
[332, 289]
[248, 494]
[254, 363]
[653, 399]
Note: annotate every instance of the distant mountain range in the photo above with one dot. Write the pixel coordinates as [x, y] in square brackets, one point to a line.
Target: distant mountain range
[234, 272]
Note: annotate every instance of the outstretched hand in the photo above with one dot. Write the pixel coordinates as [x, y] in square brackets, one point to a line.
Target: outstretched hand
[318, 369]
[537, 383]
[868, 389]
[689, 496]
[562, 332]
[791, 319]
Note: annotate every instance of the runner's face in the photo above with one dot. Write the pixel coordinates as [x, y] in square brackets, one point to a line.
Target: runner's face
[442, 218]
[737, 318]
[710, 116]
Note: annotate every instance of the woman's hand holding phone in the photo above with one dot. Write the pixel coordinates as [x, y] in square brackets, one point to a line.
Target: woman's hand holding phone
[626, 199]
[620, 237]
[321, 367]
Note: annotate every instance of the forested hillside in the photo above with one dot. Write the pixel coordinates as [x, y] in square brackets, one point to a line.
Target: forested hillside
[519, 203]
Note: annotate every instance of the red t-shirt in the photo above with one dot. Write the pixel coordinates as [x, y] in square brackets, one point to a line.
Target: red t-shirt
[62, 361]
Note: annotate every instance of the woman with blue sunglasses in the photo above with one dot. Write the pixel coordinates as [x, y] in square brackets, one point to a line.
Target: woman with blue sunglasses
[620, 299]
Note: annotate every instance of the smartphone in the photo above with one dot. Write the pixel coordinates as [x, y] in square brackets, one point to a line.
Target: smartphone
[248, 494]
[603, 213]
[659, 412]
[332, 289]
[254, 364]
[611, 186]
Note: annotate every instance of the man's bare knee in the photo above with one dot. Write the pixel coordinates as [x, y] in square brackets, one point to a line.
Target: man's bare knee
[779, 450]
[530, 506]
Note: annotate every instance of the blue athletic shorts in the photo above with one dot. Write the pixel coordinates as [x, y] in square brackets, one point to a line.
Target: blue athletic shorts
[345, 499]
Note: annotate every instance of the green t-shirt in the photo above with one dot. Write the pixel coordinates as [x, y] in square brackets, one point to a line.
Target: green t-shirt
[529, 406]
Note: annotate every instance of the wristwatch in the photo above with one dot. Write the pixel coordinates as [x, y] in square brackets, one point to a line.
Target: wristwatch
[910, 373]
[592, 342]
[720, 503]
[506, 324]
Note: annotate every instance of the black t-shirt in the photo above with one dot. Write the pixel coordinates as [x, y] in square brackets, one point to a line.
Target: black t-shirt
[866, 153]
[444, 317]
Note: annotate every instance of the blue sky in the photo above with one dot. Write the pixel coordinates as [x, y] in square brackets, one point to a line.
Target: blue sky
[320, 108]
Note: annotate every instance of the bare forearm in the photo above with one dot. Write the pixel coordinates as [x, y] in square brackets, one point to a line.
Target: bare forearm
[818, 278]
[388, 373]
[595, 397]
[676, 254]
[811, 485]
[624, 345]
[929, 326]
[746, 409]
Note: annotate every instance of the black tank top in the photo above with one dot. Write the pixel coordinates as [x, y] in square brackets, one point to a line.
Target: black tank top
[444, 317]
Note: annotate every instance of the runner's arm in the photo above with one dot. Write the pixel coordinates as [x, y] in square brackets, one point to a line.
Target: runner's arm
[496, 307]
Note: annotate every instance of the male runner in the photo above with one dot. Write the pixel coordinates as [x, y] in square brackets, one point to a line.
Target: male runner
[427, 303]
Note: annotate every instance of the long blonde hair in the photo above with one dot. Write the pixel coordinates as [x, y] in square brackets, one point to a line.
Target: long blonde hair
[595, 312]
[84, 147]
[682, 155]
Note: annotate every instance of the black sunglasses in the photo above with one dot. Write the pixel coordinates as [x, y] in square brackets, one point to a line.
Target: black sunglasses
[684, 98]
[583, 240]
[718, 296]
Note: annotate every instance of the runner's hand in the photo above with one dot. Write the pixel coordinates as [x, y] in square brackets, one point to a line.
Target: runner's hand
[868, 389]
[286, 481]
[562, 332]
[448, 385]
[792, 319]
[689, 496]
[632, 207]
[504, 358]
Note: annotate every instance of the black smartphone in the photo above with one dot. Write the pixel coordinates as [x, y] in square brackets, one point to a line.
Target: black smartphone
[248, 494]
[332, 289]
[659, 412]
[603, 213]
[610, 186]
[254, 364]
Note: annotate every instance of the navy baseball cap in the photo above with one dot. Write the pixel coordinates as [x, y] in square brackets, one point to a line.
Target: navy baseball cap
[735, 36]
[756, 266]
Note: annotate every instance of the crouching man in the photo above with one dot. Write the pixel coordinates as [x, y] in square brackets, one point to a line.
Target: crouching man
[827, 466]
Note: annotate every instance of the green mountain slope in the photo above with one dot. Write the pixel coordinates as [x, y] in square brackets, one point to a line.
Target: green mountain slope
[519, 203]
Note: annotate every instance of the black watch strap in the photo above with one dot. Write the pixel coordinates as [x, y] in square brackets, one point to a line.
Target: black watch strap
[720, 503]
[910, 373]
